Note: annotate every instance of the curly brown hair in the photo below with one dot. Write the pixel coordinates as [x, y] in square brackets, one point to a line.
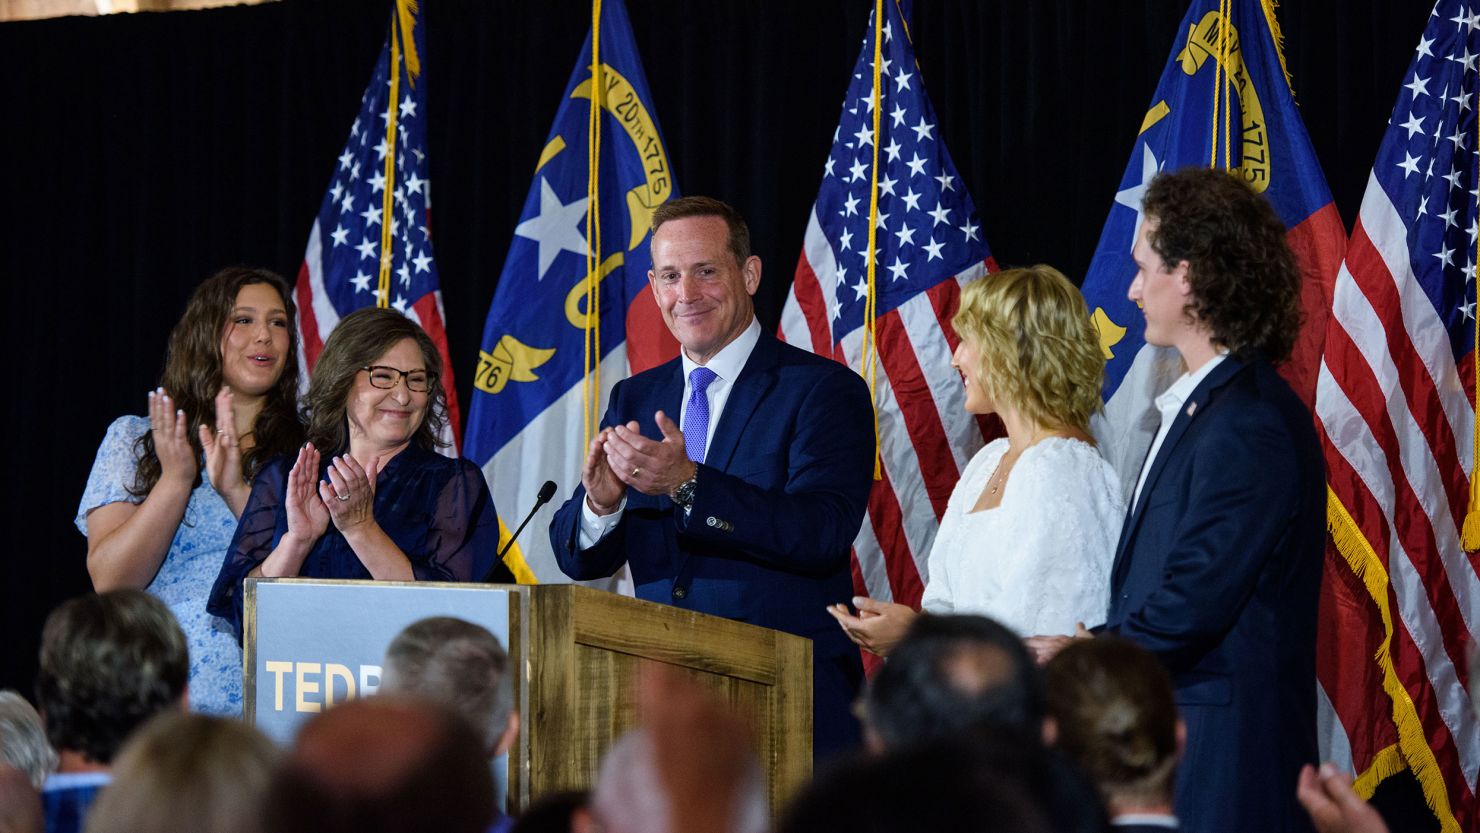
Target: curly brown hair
[358, 340]
[192, 376]
[1245, 281]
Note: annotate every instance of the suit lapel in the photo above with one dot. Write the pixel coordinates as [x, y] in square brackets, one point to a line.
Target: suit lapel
[667, 396]
[755, 379]
[1195, 406]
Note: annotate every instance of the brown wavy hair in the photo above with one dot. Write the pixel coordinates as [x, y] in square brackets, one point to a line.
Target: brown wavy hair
[1245, 281]
[357, 341]
[1037, 349]
[192, 376]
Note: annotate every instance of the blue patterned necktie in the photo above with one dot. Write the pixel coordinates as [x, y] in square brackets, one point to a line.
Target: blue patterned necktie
[696, 417]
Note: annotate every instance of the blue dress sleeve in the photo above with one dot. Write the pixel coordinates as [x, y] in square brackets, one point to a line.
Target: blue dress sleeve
[113, 469]
[262, 523]
[463, 540]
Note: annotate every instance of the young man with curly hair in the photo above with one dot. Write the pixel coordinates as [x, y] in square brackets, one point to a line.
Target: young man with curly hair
[1218, 568]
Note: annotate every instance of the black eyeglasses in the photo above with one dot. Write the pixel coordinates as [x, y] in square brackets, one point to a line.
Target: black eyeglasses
[417, 381]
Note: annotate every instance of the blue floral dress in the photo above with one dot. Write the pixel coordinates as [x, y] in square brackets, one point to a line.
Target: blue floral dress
[185, 577]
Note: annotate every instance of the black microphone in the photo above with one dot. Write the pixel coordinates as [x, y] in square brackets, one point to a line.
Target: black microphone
[500, 573]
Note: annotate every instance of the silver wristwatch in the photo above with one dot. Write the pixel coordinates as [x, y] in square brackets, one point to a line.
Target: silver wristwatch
[683, 494]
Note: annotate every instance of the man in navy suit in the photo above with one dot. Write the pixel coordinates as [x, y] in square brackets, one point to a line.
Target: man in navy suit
[749, 509]
[1219, 564]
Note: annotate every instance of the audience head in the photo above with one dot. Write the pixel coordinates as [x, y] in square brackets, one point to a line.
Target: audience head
[238, 331]
[1225, 245]
[553, 812]
[20, 804]
[109, 662]
[1027, 342]
[1114, 712]
[384, 765]
[630, 795]
[361, 340]
[968, 784]
[461, 666]
[950, 675]
[23, 743]
[188, 773]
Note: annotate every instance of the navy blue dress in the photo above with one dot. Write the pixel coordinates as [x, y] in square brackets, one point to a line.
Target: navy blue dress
[436, 509]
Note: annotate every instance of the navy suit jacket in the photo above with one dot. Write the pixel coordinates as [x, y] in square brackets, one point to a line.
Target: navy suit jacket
[1218, 573]
[780, 498]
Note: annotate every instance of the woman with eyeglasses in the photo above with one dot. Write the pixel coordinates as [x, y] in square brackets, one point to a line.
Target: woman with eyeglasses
[368, 497]
[165, 491]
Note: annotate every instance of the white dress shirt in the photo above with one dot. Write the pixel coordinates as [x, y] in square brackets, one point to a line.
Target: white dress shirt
[1169, 403]
[726, 364]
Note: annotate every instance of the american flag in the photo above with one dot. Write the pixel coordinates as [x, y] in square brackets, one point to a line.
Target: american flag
[928, 242]
[1395, 401]
[359, 254]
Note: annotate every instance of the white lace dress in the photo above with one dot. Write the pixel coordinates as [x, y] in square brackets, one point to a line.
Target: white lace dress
[1039, 562]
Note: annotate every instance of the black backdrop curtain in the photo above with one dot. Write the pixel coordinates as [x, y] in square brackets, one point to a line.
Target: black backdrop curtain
[145, 151]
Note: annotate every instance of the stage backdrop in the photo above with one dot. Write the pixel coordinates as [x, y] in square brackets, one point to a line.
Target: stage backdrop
[142, 152]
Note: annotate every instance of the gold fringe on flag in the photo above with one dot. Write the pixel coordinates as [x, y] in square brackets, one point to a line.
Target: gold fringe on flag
[1359, 555]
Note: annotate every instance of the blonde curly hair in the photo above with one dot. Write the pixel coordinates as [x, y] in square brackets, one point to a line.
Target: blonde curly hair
[1037, 349]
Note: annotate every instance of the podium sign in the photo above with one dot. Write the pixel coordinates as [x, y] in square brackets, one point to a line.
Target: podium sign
[575, 652]
[310, 643]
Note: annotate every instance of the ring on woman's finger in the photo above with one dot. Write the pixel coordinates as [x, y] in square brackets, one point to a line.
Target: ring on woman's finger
[342, 497]
[220, 430]
[635, 471]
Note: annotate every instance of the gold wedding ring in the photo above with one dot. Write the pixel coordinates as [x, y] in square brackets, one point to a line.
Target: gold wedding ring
[635, 471]
[342, 497]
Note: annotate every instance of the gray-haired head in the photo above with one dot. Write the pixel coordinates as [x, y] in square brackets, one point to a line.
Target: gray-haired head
[23, 742]
[456, 664]
[629, 796]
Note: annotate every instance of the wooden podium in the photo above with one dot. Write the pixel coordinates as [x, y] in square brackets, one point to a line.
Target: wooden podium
[576, 652]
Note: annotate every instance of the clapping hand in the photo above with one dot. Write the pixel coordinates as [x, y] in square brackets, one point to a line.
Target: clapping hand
[167, 425]
[308, 517]
[1333, 806]
[603, 489]
[349, 492]
[878, 627]
[653, 467]
[223, 455]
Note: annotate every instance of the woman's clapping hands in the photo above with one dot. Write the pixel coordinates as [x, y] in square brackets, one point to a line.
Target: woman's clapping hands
[307, 515]
[349, 493]
[223, 455]
[171, 444]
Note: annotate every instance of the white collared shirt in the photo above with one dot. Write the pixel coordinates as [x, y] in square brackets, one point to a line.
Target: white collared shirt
[726, 364]
[1169, 403]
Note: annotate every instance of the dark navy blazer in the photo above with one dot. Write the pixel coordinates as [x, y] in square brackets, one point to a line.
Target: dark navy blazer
[1218, 573]
[780, 498]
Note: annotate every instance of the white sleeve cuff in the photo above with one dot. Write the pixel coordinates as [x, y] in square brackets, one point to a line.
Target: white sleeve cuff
[594, 527]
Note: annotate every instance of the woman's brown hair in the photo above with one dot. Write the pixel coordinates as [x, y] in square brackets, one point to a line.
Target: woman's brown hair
[192, 376]
[356, 342]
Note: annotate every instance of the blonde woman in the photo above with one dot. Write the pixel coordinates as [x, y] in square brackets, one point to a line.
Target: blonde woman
[188, 773]
[1030, 530]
